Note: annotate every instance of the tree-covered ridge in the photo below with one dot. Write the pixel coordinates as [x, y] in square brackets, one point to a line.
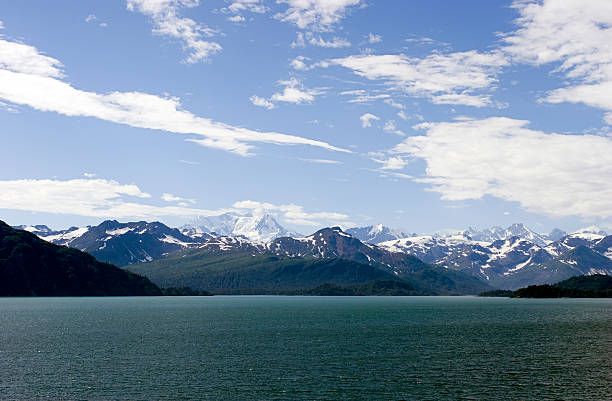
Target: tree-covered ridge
[594, 286]
[30, 266]
[244, 272]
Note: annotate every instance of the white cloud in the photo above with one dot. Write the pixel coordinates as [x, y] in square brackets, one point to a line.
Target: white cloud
[236, 18]
[334, 43]
[576, 36]
[554, 174]
[362, 96]
[110, 199]
[372, 38]
[294, 214]
[452, 78]
[103, 24]
[320, 161]
[29, 78]
[1, 25]
[393, 103]
[254, 6]
[295, 92]
[261, 102]
[391, 128]
[299, 64]
[166, 19]
[319, 15]
[392, 163]
[173, 198]
[366, 119]
[304, 38]
[20, 58]
[91, 17]
[89, 175]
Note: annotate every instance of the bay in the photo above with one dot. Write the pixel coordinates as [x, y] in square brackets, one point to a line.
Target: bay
[294, 348]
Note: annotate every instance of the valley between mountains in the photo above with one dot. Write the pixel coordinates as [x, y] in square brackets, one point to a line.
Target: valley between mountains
[255, 254]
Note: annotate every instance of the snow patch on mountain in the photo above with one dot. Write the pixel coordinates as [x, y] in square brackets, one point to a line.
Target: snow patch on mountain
[377, 233]
[259, 228]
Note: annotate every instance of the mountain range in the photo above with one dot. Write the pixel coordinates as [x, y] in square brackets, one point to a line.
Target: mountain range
[505, 258]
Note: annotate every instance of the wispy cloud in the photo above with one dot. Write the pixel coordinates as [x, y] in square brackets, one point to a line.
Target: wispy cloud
[373, 38]
[173, 198]
[320, 15]
[452, 78]
[168, 22]
[30, 78]
[304, 38]
[320, 161]
[391, 128]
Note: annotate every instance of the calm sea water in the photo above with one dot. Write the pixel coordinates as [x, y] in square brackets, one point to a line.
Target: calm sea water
[294, 348]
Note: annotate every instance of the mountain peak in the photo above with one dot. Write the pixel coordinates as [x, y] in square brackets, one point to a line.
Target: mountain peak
[260, 228]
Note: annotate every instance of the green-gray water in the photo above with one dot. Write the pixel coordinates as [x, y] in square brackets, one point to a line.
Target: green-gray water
[290, 348]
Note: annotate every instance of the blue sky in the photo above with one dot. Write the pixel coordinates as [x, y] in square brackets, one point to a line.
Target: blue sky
[426, 115]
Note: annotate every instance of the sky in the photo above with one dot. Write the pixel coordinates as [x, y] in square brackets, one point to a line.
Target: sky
[427, 115]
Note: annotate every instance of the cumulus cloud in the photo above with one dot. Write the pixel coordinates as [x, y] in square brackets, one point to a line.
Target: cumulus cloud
[91, 17]
[452, 78]
[295, 92]
[168, 22]
[30, 78]
[576, 37]
[261, 102]
[321, 15]
[549, 173]
[294, 214]
[236, 18]
[254, 6]
[366, 119]
[110, 199]
[299, 64]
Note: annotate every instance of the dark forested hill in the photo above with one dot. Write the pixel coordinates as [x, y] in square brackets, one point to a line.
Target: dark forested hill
[595, 286]
[30, 266]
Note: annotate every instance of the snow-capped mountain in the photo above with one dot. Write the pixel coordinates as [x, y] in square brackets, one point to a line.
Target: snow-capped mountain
[121, 243]
[377, 233]
[511, 261]
[259, 228]
[504, 258]
[333, 243]
[498, 233]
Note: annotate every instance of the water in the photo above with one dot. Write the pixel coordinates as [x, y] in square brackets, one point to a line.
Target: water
[293, 348]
